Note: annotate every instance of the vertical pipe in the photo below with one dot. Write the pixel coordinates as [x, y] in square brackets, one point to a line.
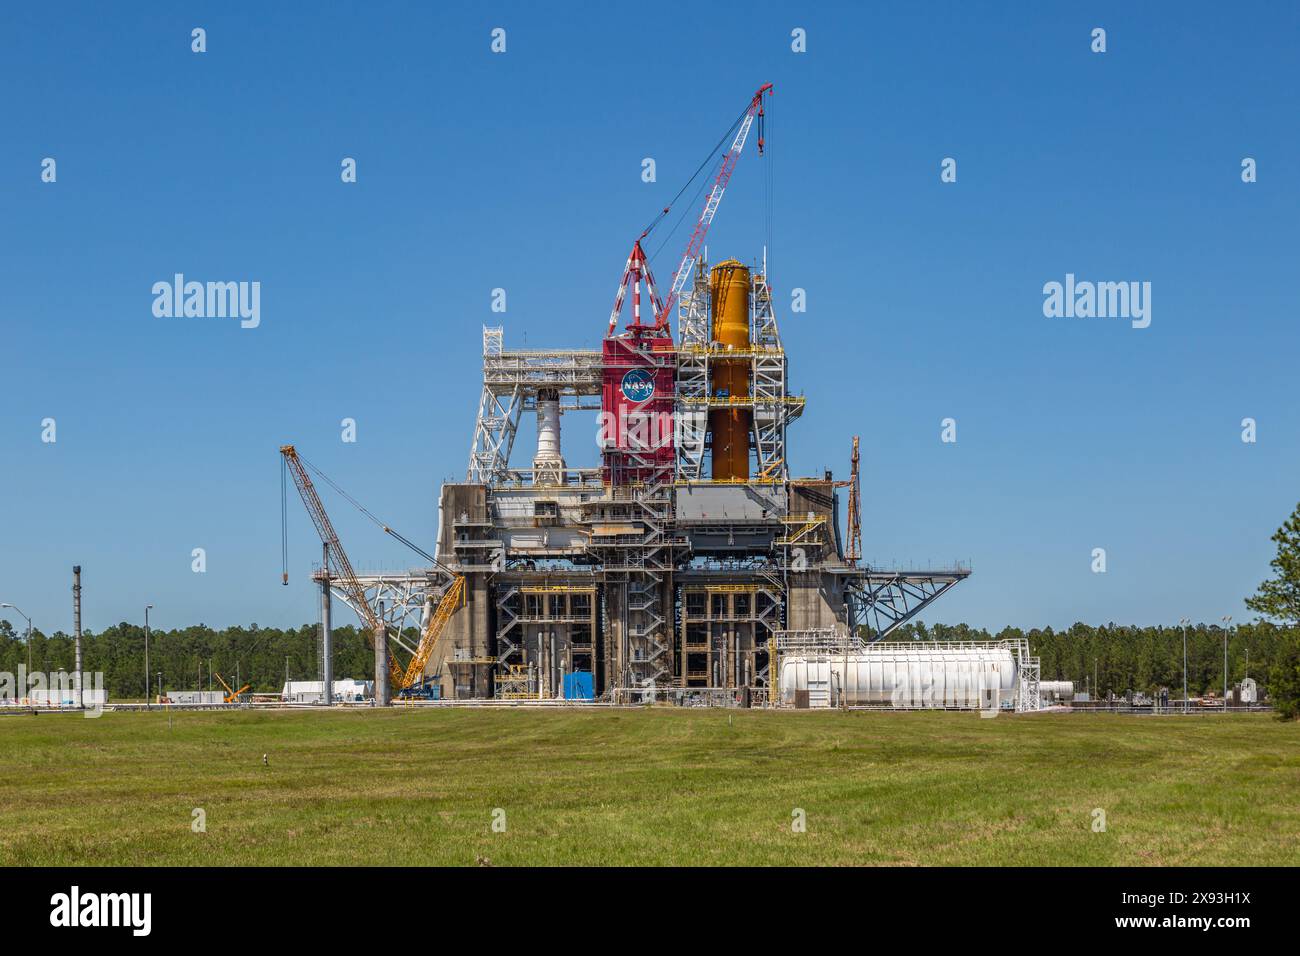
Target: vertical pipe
[326, 632]
[383, 693]
[76, 626]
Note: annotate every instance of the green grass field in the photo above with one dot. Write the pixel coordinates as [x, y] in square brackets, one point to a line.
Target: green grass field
[647, 787]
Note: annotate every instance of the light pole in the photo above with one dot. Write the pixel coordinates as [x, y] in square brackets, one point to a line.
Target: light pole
[1183, 624]
[146, 654]
[15, 607]
[1227, 622]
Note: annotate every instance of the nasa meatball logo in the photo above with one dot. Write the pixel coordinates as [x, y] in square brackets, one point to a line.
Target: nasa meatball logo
[638, 386]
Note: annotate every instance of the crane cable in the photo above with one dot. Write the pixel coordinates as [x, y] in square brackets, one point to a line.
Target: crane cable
[704, 165]
[365, 511]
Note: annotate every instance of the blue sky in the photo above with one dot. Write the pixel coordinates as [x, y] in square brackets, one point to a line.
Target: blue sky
[522, 171]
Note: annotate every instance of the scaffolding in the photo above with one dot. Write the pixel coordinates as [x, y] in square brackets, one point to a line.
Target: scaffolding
[512, 380]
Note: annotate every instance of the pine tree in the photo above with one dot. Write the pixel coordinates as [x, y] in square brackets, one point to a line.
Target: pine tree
[1280, 597]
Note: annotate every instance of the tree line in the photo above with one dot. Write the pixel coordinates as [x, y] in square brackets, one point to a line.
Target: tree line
[1119, 658]
[1106, 659]
[191, 658]
[1110, 658]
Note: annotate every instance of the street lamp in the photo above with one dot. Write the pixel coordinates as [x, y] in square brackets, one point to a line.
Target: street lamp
[1183, 624]
[1227, 622]
[146, 654]
[15, 607]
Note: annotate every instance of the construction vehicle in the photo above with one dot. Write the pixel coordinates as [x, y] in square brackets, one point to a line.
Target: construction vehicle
[232, 696]
[406, 681]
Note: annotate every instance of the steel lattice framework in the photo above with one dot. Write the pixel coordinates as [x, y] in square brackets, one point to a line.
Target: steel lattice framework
[884, 600]
[511, 382]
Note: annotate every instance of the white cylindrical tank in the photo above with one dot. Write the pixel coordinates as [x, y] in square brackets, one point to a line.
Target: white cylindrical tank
[905, 676]
[1056, 689]
[548, 459]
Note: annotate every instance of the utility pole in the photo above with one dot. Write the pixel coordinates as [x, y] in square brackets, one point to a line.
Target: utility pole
[76, 626]
[1183, 624]
[1227, 622]
[146, 654]
[23, 690]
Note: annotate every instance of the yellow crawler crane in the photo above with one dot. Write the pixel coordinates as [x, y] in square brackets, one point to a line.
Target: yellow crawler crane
[451, 600]
[232, 695]
[401, 679]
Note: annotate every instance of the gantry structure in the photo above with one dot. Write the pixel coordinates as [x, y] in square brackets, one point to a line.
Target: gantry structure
[673, 563]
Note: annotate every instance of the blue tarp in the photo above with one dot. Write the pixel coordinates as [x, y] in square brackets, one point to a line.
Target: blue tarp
[578, 686]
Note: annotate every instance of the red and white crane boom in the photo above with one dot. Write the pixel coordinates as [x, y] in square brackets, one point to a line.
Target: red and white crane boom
[637, 265]
[683, 273]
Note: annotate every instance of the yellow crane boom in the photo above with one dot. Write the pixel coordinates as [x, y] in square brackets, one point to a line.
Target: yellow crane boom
[451, 600]
[232, 695]
[401, 679]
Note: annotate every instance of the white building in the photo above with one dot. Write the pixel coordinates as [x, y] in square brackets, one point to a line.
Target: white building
[196, 696]
[313, 691]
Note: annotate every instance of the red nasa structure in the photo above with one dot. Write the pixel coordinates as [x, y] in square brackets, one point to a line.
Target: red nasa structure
[637, 395]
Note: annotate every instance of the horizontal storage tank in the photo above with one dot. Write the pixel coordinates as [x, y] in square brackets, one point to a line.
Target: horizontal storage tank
[1056, 689]
[894, 675]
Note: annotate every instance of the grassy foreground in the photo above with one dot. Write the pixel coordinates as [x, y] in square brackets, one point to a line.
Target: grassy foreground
[647, 787]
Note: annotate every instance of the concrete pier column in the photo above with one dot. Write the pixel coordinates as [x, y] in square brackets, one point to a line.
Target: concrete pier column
[383, 690]
[326, 633]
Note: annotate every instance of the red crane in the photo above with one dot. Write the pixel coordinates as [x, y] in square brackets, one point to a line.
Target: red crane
[637, 266]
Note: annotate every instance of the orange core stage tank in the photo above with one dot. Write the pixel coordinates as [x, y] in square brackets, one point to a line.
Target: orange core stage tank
[729, 295]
